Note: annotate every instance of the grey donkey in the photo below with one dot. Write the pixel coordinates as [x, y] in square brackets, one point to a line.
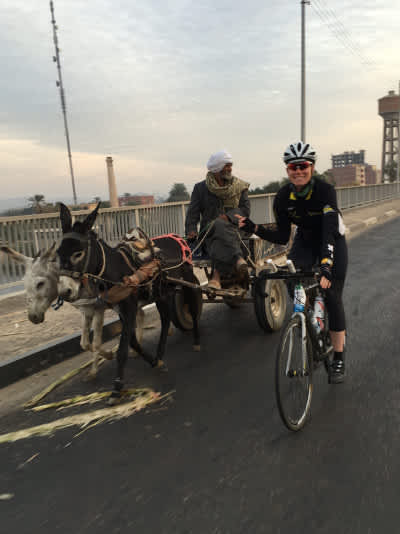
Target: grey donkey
[43, 284]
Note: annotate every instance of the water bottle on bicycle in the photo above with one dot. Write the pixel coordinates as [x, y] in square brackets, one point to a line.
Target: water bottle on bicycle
[318, 314]
[299, 299]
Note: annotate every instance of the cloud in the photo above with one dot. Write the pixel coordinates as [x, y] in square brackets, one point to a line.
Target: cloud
[160, 85]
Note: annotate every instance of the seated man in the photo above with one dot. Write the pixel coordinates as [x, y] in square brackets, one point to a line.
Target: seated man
[215, 201]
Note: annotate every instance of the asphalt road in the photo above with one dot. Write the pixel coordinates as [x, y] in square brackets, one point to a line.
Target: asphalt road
[218, 459]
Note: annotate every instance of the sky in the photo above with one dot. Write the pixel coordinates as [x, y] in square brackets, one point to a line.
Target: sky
[160, 85]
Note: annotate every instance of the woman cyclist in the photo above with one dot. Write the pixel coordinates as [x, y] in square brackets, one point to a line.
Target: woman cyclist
[311, 205]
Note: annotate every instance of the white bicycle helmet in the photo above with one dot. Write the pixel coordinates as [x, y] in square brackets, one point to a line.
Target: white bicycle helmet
[299, 152]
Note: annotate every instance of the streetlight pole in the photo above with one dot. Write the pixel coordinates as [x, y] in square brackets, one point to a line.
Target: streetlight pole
[303, 69]
[59, 83]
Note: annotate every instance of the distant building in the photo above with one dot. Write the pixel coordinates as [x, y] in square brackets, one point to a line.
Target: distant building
[388, 109]
[348, 158]
[136, 200]
[356, 174]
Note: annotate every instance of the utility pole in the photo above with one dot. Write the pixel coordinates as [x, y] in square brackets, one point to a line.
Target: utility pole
[303, 69]
[59, 84]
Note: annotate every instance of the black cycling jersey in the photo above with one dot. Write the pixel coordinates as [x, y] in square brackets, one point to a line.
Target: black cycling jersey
[316, 216]
[318, 237]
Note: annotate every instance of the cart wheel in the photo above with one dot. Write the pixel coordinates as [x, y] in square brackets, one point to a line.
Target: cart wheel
[139, 324]
[180, 310]
[271, 309]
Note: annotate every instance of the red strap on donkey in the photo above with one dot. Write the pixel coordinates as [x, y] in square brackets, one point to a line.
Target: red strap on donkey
[185, 249]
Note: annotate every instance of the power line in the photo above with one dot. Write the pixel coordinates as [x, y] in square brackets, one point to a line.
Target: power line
[344, 31]
[339, 31]
[59, 84]
[328, 16]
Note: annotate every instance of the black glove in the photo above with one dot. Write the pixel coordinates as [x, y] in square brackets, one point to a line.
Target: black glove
[249, 226]
[326, 270]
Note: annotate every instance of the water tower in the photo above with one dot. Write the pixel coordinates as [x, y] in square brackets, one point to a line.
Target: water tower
[389, 109]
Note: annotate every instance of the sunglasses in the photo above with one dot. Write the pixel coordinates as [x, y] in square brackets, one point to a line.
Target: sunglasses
[303, 165]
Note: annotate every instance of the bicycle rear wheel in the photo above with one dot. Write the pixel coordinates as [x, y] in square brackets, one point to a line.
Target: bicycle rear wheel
[293, 376]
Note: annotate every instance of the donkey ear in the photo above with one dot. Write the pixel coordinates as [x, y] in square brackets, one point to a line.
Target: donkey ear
[66, 219]
[16, 256]
[89, 221]
[51, 254]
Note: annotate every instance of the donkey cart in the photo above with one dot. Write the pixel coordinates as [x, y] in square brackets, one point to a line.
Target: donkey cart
[268, 296]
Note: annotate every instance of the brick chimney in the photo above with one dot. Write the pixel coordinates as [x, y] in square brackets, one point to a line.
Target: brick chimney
[112, 186]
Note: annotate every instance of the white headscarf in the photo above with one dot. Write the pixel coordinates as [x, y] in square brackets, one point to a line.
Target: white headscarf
[218, 161]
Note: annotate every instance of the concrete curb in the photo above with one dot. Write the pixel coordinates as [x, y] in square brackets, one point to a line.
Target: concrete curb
[55, 352]
[358, 226]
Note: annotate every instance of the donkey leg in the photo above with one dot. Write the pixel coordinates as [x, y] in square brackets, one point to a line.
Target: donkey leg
[98, 323]
[163, 307]
[190, 296]
[126, 316]
[133, 340]
[87, 316]
[136, 346]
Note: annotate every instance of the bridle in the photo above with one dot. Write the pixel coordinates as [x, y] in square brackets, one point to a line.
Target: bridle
[79, 275]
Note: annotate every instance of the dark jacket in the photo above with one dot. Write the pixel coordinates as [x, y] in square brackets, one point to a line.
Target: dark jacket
[205, 207]
[316, 217]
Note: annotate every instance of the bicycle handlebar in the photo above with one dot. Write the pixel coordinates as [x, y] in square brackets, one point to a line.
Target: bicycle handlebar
[284, 274]
[289, 272]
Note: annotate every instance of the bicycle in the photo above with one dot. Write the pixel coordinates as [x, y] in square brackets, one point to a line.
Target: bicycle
[301, 351]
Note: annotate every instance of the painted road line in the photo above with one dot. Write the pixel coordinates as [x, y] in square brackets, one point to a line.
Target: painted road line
[371, 220]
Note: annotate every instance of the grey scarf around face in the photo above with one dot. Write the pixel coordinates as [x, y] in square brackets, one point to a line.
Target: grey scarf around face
[229, 193]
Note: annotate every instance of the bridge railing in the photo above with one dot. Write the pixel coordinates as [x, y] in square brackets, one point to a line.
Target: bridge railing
[29, 234]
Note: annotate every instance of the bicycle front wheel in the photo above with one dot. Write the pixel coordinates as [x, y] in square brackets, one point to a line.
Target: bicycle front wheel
[293, 376]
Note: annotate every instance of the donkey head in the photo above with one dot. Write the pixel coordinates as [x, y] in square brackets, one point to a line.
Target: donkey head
[74, 247]
[40, 281]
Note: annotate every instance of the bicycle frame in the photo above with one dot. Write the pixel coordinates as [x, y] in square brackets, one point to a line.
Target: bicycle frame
[302, 317]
